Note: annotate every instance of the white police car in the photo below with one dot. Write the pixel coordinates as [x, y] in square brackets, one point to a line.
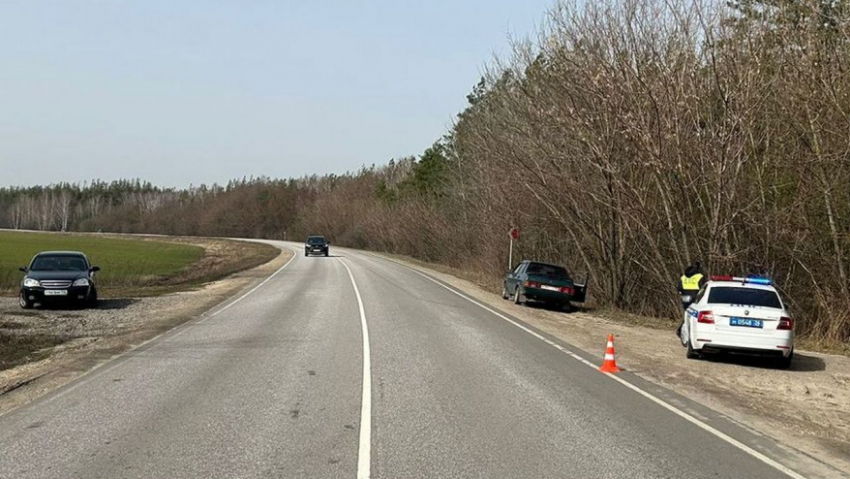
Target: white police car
[744, 315]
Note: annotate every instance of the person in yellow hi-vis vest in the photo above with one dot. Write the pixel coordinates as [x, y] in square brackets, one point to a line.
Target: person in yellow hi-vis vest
[689, 285]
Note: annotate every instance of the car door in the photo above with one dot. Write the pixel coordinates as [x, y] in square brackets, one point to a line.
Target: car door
[519, 275]
[513, 278]
[691, 313]
[580, 291]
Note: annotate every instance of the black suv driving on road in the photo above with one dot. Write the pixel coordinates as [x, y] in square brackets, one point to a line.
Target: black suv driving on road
[316, 245]
[58, 275]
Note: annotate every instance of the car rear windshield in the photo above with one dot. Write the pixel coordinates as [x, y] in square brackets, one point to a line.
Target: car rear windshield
[59, 263]
[316, 240]
[547, 270]
[744, 296]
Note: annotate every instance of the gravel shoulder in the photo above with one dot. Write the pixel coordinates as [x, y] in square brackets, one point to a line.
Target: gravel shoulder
[806, 407]
[75, 341]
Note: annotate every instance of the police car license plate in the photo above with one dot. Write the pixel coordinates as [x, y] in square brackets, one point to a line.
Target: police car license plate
[56, 292]
[746, 322]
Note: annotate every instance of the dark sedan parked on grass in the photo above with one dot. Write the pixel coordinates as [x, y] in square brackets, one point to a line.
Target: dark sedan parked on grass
[547, 283]
[58, 275]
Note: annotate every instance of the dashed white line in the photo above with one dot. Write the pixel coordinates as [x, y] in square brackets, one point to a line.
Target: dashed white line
[364, 454]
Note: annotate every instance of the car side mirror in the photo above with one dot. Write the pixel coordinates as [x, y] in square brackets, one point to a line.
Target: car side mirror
[23, 269]
[95, 269]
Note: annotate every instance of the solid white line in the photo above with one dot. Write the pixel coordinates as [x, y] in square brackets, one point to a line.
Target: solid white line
[364, 455]
[734, 442]
[294, 254]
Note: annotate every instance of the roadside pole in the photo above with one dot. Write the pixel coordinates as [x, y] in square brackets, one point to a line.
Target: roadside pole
[514, 234]
[511, 255]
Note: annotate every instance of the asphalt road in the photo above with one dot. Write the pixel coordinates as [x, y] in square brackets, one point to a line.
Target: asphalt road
[272, 386]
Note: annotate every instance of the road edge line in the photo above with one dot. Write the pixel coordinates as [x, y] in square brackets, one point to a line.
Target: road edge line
[364, 452]
[684, 415]
[116, 359]
[228, 305]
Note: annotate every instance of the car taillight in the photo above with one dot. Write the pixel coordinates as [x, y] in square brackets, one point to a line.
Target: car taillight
[567, 290]
[706, 317]
[786, 324]
[532, 284]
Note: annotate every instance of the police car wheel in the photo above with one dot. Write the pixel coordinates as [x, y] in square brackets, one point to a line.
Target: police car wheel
[692, 353]
[505, 294]
[785, 363]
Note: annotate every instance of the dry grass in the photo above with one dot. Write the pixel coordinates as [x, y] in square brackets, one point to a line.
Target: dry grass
[493, 285]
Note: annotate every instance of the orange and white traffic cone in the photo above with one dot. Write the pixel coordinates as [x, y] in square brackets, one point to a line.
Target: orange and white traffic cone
[609, 365]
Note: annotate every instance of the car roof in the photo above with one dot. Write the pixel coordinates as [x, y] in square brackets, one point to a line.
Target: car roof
[61, 253]
[544, 263]
[740, 284]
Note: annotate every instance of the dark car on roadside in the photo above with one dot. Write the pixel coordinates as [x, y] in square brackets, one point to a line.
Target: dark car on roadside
[543, 282]
[316, 245]
[59, 276]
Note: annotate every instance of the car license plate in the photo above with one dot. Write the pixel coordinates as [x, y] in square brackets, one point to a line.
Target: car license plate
[56, 292]
[746, 322]
[549, 288]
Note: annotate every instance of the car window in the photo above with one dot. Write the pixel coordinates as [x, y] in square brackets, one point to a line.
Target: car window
[316, 239]
[518, 269]
[744, 296]
[58, 263]
[548, 270]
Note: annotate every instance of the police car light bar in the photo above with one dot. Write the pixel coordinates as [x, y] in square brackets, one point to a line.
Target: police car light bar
[762, 281]
[722, 278]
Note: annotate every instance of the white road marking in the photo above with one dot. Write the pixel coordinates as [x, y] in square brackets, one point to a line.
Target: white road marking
[294, 254]
[113, 361]
[734, 442]
[364, 455]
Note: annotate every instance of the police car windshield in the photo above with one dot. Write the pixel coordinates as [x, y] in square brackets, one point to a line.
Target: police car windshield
[744, 296]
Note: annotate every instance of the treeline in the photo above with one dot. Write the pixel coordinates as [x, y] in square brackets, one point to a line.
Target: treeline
[628, 139]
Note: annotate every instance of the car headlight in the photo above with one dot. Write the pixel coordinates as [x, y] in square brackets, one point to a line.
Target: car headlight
[31, 283]
[81, 282]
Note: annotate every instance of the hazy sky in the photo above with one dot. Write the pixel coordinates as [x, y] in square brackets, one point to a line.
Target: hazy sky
[190, 91]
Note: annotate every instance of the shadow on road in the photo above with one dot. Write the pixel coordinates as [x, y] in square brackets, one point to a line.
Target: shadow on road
[802, 362]
[116, 303]
[105, 304]
[552, 307]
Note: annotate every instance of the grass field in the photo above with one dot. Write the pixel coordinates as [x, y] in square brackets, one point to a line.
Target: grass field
[124, 263]
[132, 268]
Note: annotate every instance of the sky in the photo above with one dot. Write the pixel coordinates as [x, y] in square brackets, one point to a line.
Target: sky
[202, 91]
